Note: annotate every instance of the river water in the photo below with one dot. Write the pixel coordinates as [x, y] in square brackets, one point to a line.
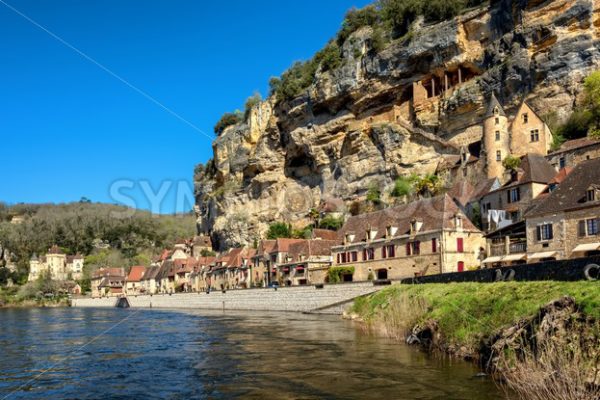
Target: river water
[132, 354]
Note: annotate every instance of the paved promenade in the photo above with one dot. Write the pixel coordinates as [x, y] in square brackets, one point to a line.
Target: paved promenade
[331, 299]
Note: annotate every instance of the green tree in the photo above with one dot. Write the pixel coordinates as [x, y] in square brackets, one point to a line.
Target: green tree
[228, 119]
[251, 102]
[355, 19]
[374, 194]
[511, 163]
[279, 230]
[331, 223]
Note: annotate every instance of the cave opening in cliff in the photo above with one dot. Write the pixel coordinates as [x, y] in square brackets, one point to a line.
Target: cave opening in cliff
[301, 167]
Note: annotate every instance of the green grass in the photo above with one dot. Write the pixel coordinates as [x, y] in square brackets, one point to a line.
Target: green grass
[467, 313]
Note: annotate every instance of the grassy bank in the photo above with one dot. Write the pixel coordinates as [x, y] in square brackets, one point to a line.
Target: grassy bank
[541, 344]
[468, 312]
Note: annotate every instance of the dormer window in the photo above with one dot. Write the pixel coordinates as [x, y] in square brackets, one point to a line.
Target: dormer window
[391, 231]
[350, 237]
[591, 195]
[458, 221]
[415, 226]
[496, 111]
[371, 234]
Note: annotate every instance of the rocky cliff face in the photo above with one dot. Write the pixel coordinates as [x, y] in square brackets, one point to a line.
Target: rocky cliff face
[382, 115]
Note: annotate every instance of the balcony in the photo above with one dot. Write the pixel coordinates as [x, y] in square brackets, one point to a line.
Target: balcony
[517, 247]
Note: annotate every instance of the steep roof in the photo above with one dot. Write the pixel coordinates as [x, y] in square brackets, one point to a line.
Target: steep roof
[136, 273]
[575, 144]
[462, 192]
[571, 193]
[324, 234]
[282, 245]
[484, 187]
[309, 248]
[164, 270]
[150, 273]
[534, 168]
[109, 272]
[202, 241]
[265, 247]
[55, 250]
[492, 104]
[435, 213]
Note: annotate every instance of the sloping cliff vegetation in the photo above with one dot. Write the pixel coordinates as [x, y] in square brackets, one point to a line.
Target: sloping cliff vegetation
[402, 84]
[107, 235]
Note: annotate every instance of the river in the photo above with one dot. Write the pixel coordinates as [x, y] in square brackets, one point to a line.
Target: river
[131, 354]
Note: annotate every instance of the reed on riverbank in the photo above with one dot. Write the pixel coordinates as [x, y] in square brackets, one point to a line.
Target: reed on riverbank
[539, 338]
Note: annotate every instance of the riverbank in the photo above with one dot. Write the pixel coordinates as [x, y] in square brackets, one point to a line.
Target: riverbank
[525, 332]
[9, 298]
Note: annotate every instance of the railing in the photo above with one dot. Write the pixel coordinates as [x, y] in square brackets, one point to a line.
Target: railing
[499, 249]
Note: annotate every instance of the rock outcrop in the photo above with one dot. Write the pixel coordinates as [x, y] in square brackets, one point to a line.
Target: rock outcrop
[379, 116]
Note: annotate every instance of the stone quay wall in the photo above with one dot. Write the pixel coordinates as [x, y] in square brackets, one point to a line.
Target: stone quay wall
[562, 270]
[330, 299]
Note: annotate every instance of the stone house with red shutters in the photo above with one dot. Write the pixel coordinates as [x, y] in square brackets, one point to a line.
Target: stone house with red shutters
[428, 236]
[307, 262]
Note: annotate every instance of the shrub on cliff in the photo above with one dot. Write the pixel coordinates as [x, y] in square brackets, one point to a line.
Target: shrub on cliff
[355, 19]
[251, 102]
[332, 223]
[279, 230]
[228, 119]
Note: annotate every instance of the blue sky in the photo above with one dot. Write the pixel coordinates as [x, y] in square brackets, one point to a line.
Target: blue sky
[70, 129]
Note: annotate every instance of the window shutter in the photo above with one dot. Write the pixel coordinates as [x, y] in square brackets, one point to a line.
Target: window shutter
[539, 233]
[408, 249]
[417, 247]
[434, 245]
[384, 252]
[581, 228]
[459, 245]
[338, 258]
[550, 232]
[518, 194]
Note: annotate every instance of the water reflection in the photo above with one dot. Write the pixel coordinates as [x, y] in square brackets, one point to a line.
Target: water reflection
[174, 355]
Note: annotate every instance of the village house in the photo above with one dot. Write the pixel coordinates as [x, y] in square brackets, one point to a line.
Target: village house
[60, 266]
[263, 270]
[565, 224]
[427, 236]
[134, 280]
[573, 152]
[486, 145]
[201, 246]
[200, 278]
[307, 262]
[183, 271]
[148, 282]
[108, 282]
[507, 204]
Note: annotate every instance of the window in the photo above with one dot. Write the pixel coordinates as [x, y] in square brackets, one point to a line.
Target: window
[545, 232]
[498, 155]
[460, 246]
[591, 195]
[391, 251]
[368, 254]
[588, 227]
[354, 256]
[525, 118]
[514, 195]
[497, 136]
[497, 121]
[562, 163]
[434, 245]
[535, 135]
[413, 248]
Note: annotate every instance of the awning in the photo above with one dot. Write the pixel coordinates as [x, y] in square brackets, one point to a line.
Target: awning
[514, 257]
[494, 259]
[586, 247]
[285, 269]
[545, 254]
[299, 268]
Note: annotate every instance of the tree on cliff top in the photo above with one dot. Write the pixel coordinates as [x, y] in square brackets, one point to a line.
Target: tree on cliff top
[228, 119]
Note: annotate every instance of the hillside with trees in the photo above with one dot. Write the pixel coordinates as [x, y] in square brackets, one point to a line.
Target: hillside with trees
[107, 235]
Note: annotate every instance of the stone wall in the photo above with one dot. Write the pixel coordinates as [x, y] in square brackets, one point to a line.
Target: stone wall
[565, 270]
[295, 299]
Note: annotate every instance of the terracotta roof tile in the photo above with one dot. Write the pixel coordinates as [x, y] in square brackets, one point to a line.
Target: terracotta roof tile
[136, 273]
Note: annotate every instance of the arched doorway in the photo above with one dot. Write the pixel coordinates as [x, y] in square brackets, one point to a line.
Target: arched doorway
[382, 274]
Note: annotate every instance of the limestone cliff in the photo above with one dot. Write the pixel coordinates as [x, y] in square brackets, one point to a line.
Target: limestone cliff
[398, 111]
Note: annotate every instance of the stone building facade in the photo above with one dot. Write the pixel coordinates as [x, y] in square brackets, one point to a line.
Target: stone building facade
[60, 266]
[565, 224]
[574, 152]
[428, 236]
